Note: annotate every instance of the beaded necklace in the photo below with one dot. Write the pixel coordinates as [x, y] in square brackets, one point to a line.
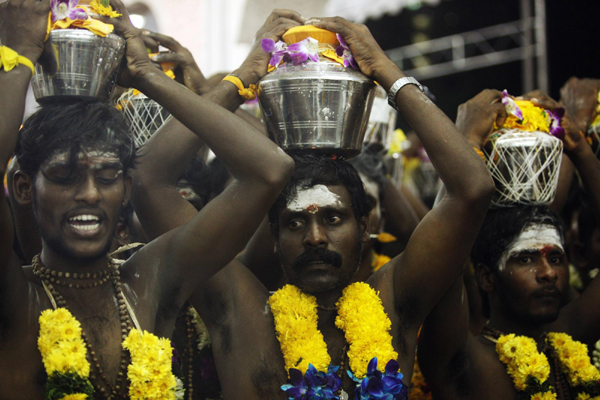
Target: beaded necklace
[50, 277]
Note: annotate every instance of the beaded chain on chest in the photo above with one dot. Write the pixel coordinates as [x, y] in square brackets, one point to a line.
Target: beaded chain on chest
[51, 277]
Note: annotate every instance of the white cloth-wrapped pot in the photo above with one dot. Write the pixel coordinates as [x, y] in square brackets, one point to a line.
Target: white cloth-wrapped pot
[143, 114]
[525, 167]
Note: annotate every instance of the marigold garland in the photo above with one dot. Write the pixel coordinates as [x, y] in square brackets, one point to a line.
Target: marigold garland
[362, 318]
[528, 368]
[301, 342]
[360, 315]
[64, 356]
[150, 369]
[575, 363]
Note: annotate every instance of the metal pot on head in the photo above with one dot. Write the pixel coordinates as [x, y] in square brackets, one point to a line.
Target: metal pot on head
[320, 107]
[76, 62]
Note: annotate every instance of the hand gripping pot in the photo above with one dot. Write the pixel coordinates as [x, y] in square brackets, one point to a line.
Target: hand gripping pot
[76, 62]
[525, 166]
[320, 107]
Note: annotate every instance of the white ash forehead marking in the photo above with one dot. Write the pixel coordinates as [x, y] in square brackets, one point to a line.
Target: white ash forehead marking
[63, 155]
[318, 195]
[533, 237]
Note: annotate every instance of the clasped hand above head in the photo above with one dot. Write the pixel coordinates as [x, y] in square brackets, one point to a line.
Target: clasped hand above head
[23, 26]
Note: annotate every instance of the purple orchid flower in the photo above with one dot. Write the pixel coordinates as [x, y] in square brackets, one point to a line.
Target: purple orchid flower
[314, 385]
[277, 50]
[343, 50]
[303, 50]
[555, 118]
[380, 386]
[62, 9]
[511, 106]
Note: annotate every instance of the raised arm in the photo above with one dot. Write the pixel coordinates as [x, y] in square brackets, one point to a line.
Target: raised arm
[157, 202]
[198, 249]
[440, 245]
[22, 29]
[444, 340]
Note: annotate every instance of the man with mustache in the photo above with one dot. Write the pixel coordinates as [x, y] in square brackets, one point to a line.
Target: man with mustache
[522, 270]
[76, 157]
[320, 224]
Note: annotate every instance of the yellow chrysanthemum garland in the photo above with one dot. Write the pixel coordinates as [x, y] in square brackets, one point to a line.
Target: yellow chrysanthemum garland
[575, 362]
[528, 368]
[64, 356]
[360, 315]
[301, 342]
[150, 369]
[362, 318]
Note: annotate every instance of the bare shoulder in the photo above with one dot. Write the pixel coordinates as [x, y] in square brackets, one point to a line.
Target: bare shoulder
[474, 373]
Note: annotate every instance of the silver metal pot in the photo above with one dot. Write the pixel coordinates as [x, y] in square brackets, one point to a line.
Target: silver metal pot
[76, 62]
[320, 107]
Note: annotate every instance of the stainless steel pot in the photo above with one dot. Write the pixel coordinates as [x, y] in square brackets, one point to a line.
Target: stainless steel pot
[76, 62]
[320, 107]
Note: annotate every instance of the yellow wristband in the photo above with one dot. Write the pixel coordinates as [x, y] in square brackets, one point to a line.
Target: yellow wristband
[10, 59]
[480, 153]
[248, 93]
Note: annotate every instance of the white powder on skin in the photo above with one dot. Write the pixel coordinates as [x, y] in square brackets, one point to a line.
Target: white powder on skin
[318, 195]
[533, 237]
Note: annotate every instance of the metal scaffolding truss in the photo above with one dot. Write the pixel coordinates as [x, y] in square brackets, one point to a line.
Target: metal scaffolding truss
[519, 40]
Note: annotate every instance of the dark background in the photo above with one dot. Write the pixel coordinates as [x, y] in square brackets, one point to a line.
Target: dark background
[573, 42]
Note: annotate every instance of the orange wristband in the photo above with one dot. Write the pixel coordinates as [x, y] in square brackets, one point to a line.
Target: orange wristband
[248, 93]
[480, 153]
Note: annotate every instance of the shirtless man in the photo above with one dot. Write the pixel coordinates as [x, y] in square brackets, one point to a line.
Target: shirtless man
[75, 170]
[233, 303]
[521, 265]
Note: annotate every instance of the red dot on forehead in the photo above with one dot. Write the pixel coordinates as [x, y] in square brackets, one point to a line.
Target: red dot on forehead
[546, 250]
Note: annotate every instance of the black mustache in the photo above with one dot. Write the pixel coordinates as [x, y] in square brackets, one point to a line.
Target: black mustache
[317, 255]
[547, 291]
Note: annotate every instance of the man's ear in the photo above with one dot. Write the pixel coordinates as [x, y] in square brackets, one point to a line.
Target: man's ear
[365, 229]
[486, 279]
[22, 188]
[122, 233]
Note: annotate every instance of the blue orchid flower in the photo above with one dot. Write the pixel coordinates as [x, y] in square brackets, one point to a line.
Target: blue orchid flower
[380, 386]
[314, 385]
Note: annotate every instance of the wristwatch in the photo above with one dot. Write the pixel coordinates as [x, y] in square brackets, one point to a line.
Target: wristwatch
[399, 84]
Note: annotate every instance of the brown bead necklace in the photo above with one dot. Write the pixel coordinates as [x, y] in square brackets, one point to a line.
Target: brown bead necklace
[50, 277]
[191, 332]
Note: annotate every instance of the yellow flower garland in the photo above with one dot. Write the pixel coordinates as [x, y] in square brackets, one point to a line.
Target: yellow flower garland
[296, 328]
[360, 315]
[64, 352]
[150, 369]
[61, 344]
[575, 362]
[362, 318]
[523, 361]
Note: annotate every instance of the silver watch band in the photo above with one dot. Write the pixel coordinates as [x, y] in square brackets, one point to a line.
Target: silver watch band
[399, 84]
